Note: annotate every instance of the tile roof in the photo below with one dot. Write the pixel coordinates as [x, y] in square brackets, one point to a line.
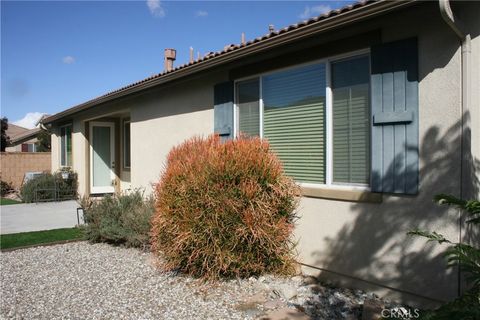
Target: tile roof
[226, 50]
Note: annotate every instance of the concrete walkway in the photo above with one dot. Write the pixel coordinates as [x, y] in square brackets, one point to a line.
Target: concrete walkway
[35, 217]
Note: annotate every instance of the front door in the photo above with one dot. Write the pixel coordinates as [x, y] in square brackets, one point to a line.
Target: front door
[102, 159]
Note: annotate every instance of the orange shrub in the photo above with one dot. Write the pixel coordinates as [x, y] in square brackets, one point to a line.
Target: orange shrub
[224, 209]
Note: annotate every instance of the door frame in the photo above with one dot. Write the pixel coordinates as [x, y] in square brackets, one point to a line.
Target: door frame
[111, 188]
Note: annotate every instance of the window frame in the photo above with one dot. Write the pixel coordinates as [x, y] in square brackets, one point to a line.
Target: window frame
[328, 112]
[66, 165]
[124, 141]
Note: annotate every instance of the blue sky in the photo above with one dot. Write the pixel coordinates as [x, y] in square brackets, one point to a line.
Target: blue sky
[57, 54]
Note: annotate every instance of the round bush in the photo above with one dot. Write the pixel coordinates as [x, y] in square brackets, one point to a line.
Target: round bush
[224, 210]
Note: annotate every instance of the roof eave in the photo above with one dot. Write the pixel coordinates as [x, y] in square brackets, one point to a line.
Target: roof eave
[33, 133]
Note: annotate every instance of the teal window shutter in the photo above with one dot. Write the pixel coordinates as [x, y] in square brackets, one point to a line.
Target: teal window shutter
[394, 96]
[223, 110]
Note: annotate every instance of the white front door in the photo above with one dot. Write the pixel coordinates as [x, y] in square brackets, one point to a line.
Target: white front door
[102, 157]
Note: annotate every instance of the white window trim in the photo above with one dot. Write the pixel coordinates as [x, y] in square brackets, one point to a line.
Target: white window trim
[60, 143]
[124, 166]
[328, 113]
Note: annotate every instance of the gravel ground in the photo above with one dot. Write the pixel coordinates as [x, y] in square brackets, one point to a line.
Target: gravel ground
[98, 281]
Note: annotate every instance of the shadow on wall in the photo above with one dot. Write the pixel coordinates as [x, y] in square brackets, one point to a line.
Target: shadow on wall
[375, 247]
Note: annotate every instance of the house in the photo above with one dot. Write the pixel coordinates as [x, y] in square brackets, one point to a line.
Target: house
[23, 157]
[22, 139]
[373, 109]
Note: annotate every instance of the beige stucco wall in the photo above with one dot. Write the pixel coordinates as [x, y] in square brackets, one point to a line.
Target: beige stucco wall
[55, 148]
[470, 13]
[17, 148]
[14, 165]
[166, 118]
[360, 244]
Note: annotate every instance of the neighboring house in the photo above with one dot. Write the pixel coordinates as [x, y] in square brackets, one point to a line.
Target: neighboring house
[24, 140]
[22, 156]
[373, 109]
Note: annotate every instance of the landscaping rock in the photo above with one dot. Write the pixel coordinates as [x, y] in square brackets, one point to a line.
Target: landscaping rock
[257, 298]
[84, 281]
[372, 309]
[297, 279]
[316, 288]
[286, 314]
[308, 280]
[272, 304]
[288, 291]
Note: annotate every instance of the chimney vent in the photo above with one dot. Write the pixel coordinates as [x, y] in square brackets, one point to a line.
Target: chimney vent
[243, 38]
[191, 54]
[271, 28]
[170, 55]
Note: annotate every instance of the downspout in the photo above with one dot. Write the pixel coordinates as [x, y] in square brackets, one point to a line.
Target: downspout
[465, 166]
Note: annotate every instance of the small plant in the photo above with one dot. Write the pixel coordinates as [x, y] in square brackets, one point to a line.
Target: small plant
[123, 219]
[224, 210]
[50, 187]
[5, 188]
[467, 257]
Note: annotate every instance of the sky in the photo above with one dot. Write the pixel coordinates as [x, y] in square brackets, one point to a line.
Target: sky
[57, 54]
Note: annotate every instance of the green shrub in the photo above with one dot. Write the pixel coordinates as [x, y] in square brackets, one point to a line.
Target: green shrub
[123, 219]
[224, 210]
[50, 187]
[44, 181]
[467, 257]
[5, 188]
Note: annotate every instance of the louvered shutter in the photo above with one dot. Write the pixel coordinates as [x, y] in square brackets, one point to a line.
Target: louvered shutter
[223, 110]
[394, 81]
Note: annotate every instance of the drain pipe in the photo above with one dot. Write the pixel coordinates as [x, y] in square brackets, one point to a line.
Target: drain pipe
[465, 166]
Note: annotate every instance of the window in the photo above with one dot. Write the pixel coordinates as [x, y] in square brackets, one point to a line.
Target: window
[351, 121]
[294, 120]
[248, 102]
[66, 146]
[126, 144]
[28, 147]
[316, 118]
